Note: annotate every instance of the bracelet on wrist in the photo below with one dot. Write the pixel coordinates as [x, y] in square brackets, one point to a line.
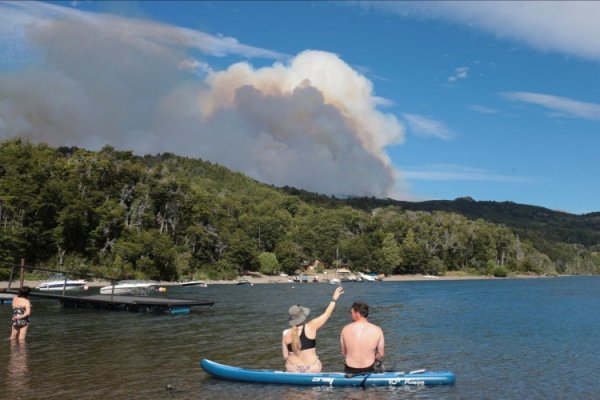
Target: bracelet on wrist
[334, 300]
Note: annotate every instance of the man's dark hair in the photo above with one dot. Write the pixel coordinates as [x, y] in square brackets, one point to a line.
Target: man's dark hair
[24, 291]
[361, 308]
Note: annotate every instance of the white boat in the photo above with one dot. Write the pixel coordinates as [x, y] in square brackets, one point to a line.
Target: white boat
[367, 277]
[129, 287]
[79, 284]
[193, 283]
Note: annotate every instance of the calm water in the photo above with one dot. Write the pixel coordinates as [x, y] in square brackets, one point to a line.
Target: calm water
[504, 339]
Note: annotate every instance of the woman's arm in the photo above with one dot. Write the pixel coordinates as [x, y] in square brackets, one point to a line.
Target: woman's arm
[27, 312]
[321, 319]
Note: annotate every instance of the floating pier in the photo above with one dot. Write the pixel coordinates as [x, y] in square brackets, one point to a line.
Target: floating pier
[125, 303]
[6, 298]
[104, 301]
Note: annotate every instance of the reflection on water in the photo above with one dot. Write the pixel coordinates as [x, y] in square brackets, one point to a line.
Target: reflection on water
[17, 370]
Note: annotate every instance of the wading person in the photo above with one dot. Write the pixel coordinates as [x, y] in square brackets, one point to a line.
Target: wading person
[21, 307]
[298, 343]
[362, 342]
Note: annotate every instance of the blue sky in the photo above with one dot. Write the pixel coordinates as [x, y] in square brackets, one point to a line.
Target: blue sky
[409, 100]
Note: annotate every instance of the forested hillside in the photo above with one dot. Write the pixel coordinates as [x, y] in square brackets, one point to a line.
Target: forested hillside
[167, 217]
[528, 220]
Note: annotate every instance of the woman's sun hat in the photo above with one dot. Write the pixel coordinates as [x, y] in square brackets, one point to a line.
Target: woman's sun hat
[298, 314]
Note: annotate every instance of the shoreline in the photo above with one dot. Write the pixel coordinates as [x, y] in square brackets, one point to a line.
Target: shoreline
[322, 278]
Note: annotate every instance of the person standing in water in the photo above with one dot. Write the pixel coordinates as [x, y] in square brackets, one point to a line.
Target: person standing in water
[298, 343]
[21, 307]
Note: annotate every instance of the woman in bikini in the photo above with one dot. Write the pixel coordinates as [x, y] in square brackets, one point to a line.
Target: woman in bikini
[298, 343]
[21, 311]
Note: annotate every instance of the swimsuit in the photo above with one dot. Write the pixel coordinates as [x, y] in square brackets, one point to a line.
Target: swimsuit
[352, 370]
[305, 342]
[19, 323]
[291, 367]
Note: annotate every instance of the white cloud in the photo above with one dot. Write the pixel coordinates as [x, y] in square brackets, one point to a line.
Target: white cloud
[451, 172]
[563, 105]
[459, 73]
[482, 109]
[568, 27]
[427, 127]
[310, 121]
[164, 40]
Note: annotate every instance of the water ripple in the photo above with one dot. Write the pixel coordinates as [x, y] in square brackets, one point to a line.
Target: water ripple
[495, 336]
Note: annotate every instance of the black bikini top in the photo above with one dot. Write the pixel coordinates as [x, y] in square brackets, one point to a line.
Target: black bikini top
[305, 343]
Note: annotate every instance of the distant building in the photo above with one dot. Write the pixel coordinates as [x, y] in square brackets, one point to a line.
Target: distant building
[312, 266]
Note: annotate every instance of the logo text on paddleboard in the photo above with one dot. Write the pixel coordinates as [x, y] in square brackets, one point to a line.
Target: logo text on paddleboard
[326, 380]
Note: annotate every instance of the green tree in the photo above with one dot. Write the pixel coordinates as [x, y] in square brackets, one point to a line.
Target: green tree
[268, 263]
[412, 254]
[391, 253]
[289, 255]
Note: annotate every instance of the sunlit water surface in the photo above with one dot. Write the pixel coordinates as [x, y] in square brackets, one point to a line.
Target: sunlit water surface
[504, 339]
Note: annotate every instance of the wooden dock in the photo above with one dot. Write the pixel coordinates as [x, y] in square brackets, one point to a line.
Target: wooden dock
[124, 303]
[101, 301]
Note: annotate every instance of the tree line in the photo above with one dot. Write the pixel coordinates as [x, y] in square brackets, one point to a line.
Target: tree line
[165, 217]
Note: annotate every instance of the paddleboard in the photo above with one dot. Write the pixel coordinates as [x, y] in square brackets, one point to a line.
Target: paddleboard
[417, 378]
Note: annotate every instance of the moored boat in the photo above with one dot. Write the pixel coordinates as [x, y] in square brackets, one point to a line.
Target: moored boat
[193, 283]
[129, 287]
[368, 277]
[416, 378]
[79, 284]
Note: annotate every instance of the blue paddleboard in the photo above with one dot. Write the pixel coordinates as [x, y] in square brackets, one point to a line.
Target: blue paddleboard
[419, 378]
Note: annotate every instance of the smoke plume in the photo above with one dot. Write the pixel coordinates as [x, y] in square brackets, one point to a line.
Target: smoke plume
[80, 79]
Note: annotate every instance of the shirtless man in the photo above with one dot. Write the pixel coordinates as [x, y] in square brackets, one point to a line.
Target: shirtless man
[362, 342]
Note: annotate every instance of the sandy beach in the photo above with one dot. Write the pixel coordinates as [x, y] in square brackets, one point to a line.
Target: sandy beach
[324, 278]
[256, 278]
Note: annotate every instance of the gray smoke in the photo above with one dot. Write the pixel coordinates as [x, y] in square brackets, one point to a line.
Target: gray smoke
[82, 79]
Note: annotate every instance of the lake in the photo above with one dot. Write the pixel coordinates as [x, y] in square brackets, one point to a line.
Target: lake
[503, 338]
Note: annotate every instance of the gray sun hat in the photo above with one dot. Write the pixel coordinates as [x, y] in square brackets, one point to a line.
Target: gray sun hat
[298, 314]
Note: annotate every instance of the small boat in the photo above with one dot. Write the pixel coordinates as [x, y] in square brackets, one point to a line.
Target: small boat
[129, 287]
[193, 283]
[244, 282]
[367, 277]
[79, 284]
[416, 378]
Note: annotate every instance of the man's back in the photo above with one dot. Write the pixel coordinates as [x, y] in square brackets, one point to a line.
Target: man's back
[362, 342]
